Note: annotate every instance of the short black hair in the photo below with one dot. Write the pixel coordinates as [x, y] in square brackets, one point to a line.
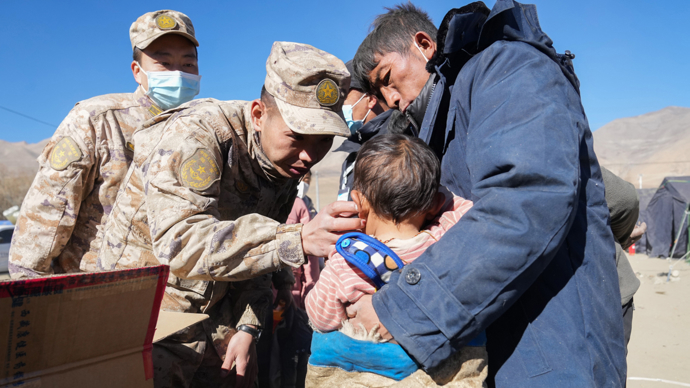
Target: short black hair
[268, 100]
[398, 175]
[391, 32]
[136, 54]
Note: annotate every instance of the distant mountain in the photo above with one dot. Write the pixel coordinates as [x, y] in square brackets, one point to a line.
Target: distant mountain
[655, 145]
[328, 171]
[20, 158]
[333, 161]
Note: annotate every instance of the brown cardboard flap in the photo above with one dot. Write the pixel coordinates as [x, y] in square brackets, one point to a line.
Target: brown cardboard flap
[68, 328]
[170, 322]
[125, 370]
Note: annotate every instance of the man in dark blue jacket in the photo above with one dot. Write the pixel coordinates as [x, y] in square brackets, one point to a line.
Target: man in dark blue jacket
[532, 262]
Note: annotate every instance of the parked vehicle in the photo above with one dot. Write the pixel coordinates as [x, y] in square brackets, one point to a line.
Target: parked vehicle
[5, 240]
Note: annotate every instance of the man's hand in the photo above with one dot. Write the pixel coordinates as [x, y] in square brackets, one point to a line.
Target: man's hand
[320, 234]
[241, 354]
[635, 236]
[285, 296]
[363, 313]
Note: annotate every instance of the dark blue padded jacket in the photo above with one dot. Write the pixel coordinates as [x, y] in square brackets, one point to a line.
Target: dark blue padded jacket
[533, 262]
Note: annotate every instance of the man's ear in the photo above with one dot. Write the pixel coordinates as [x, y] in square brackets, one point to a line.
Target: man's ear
[137, 73]
[439, 201]
[373, 101]
[258, 114]
[425, 43]
[374, 104]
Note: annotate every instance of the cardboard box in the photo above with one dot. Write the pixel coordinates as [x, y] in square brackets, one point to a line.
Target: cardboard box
[84, 330]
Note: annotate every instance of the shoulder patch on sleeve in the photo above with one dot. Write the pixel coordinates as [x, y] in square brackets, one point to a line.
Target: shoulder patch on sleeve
[65, 152]
[200, 170]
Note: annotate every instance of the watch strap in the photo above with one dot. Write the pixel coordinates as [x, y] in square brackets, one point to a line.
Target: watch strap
[256, 333]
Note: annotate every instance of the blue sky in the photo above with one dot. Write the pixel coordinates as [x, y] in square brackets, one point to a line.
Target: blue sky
[633, 57]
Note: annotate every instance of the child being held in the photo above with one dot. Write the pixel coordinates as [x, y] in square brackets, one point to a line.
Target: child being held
[396, 189]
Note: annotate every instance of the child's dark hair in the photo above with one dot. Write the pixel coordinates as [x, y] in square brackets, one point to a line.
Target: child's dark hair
[398, 175]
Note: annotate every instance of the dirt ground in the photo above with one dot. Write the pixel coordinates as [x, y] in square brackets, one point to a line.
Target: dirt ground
[659, 348]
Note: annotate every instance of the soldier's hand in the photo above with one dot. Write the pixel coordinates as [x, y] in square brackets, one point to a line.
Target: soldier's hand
[241, 354]
[320, 234]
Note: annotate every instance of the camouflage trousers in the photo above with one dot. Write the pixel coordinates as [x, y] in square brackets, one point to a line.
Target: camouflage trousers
[187, 359]
[465, 369]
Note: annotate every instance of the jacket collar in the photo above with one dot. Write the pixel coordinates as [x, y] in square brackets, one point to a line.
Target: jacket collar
[417, 109]
[467, 31]
[375, 127]
[145, 101]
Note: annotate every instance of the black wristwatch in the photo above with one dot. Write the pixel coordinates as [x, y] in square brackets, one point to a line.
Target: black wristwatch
[256, 333]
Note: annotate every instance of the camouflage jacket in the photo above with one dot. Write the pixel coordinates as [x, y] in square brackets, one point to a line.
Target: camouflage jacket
[203, 198]
[80, 171]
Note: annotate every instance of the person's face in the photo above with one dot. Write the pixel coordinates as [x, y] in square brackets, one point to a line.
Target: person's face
[168, 53]
[360, 110]
[400, 77]
[292, 154]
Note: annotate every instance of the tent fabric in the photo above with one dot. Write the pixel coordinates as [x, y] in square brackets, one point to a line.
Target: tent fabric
[644, 196]
[664, 215]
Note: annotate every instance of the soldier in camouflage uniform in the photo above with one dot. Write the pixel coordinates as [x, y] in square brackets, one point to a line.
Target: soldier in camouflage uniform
[209, 192]
[83, 165]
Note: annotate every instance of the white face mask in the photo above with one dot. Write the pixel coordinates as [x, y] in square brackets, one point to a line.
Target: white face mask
[170, 89]
[420, 50]
[353, 124]
[302, 189]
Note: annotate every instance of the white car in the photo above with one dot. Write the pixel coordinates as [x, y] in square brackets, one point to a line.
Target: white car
[5, 240]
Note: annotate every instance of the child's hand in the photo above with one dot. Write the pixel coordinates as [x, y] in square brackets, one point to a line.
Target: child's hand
[362, 314]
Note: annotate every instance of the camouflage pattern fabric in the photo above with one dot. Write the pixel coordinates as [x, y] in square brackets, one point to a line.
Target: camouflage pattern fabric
[152, 25]
[309, 86]
[186, 359]
[80, 171]
[202, 197]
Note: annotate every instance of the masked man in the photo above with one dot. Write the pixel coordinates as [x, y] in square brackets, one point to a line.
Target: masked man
[83, 165]
[533, 262]
[209, 193]
[367, 117]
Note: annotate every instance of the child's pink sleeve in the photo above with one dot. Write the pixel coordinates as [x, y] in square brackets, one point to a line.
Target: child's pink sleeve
[311, 275]
[339, 285]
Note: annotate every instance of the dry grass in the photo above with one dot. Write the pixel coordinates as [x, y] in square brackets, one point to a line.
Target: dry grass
[13, 188]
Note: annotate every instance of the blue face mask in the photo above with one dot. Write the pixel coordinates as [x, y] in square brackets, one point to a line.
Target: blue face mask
[353, 124]
[170, 89]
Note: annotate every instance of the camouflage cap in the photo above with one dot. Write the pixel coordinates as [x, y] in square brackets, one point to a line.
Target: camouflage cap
[309, 86]
[151, 26]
